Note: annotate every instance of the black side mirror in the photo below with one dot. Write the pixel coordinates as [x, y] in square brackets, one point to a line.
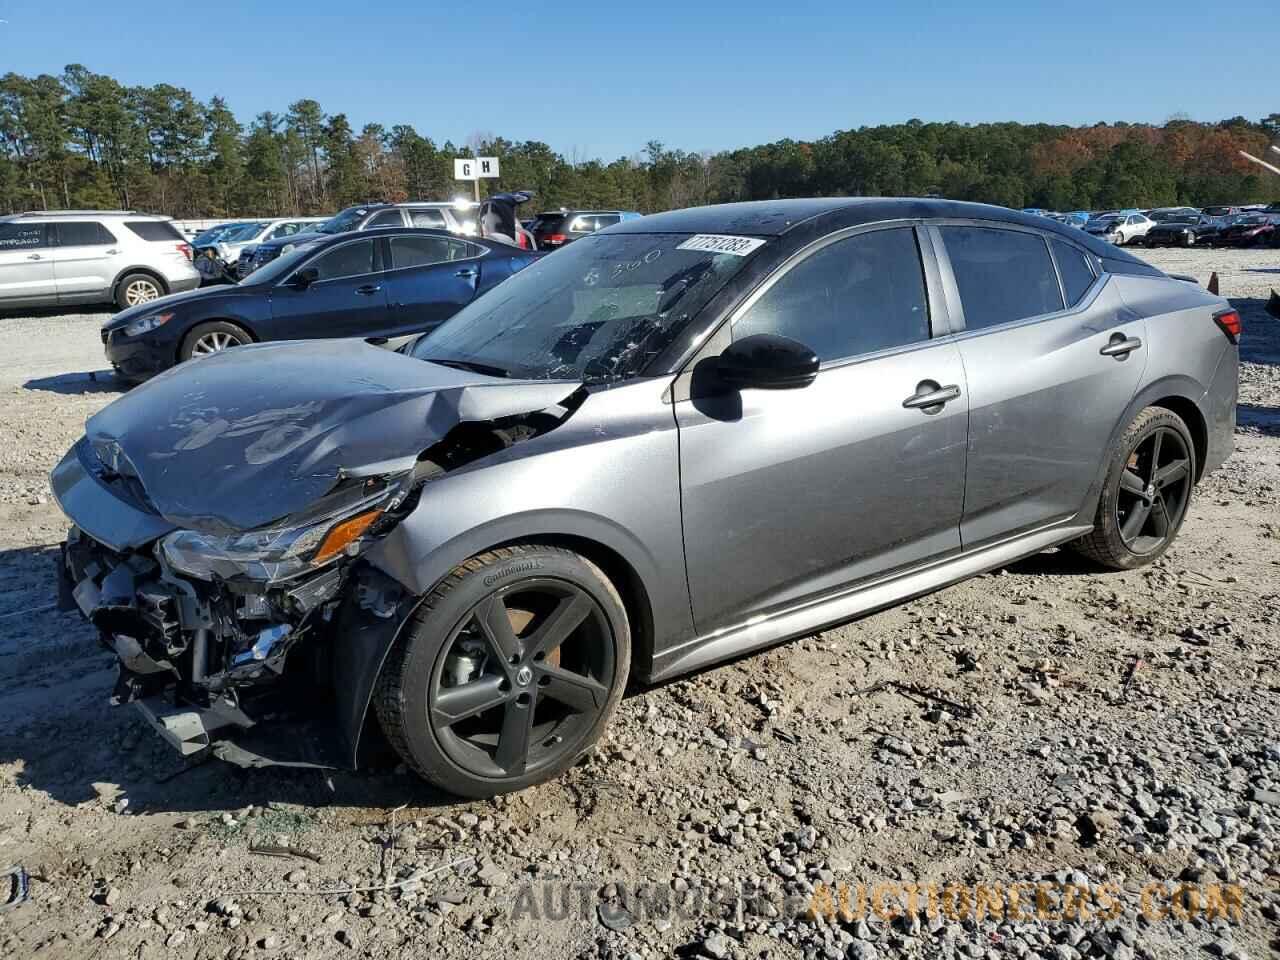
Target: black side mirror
[767, 362]
[304, 278]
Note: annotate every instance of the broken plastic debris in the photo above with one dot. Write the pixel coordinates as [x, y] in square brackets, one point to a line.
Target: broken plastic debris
[19, 884]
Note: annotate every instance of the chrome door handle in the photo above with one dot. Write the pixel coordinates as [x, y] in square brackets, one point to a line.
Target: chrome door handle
[1120, 346]
[468, 273]
[929, 394]
[34, 256]
[369, 289]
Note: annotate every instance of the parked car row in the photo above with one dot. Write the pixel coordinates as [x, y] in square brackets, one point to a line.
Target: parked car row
[219, 249]
[1253, 225]
[388, 283]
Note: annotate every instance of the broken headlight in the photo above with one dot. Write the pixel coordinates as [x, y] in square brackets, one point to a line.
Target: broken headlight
[334, 527]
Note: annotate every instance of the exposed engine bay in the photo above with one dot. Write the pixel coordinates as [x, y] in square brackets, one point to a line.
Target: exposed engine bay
[212, 623]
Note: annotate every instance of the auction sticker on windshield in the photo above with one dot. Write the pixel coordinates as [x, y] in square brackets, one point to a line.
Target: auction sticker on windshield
[715, 243]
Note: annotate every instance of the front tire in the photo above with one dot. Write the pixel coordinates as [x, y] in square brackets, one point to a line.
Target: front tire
[206, 339]
[1146, 492]
[507, 672]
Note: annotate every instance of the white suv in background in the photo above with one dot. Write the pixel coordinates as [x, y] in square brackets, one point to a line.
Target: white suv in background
[91, 256]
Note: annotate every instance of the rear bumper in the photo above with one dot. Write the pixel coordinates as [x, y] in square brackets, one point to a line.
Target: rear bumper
[1219, 409]
[184, 283]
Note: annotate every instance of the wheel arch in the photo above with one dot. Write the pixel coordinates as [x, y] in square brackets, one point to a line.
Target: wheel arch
[623, 559]
[366, 642]
[1179, 394]
[1192, 416]
[625, 578]
[234, 321]
[151, 272]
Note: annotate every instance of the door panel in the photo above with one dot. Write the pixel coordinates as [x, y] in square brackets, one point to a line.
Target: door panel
[349, 299]
[1043, 402]
[83, 258]
[808, 490]
[1043, 398]
[431, 279]
[26, 267]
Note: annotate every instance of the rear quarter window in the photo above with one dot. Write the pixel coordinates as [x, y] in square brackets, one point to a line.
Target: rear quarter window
[1075, 270]
[154, 230]
[1002, 275]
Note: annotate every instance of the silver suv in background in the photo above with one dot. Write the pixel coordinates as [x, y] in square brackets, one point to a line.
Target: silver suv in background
[91, 256]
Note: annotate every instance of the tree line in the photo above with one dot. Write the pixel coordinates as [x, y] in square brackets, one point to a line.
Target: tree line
[83, 139]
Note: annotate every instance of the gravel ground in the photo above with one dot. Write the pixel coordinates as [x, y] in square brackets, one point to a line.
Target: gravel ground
[1102, 736]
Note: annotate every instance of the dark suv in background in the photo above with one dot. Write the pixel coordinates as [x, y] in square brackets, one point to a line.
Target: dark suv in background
[557, 227]
[425, 214]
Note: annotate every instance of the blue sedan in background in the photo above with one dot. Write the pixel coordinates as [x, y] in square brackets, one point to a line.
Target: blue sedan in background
[378, 285]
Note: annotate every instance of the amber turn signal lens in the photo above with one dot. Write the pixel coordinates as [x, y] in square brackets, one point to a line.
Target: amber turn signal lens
[342, 534]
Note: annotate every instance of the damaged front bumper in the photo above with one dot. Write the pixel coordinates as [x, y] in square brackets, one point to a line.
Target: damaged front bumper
[204, 661]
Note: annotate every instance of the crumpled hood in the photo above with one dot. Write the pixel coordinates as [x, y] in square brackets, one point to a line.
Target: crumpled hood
[249, 436]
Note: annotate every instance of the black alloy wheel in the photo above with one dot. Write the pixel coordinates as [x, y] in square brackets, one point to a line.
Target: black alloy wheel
[1155, 487]
[508, 670]
[1151, 470]
[522, 678]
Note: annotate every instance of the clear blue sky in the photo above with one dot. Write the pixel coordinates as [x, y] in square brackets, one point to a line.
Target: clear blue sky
[602, 78]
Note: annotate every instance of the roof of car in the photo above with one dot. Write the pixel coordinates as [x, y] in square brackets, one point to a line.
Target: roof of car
[311, 236]
[43, 214]
[773, 218]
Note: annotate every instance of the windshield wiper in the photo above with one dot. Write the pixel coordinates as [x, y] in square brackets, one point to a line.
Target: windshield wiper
[488, 369]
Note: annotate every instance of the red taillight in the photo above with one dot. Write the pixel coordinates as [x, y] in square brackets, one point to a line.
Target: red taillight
[1228, 322]
[185, 250]
[554, 238]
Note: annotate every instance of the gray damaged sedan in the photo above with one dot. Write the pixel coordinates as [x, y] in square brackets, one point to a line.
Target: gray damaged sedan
[686, 437]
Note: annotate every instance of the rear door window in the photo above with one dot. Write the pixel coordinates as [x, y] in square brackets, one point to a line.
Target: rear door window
[154, 230]
[80, 233]
[387, 218]
[424, 251]
[348, 260]
[855, 296]
[22, 236]
[1002, 275]
[1075, 270]
[427, 217]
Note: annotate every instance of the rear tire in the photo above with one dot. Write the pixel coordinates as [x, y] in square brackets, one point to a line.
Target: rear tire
[508, 671]
[138, 288]
[1146, 493]
[206, 339]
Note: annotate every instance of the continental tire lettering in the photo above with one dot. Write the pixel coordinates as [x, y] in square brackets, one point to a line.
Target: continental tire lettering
[511, 570]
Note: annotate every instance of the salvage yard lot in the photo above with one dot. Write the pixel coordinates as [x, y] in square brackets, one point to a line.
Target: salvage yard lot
[1043, 723]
